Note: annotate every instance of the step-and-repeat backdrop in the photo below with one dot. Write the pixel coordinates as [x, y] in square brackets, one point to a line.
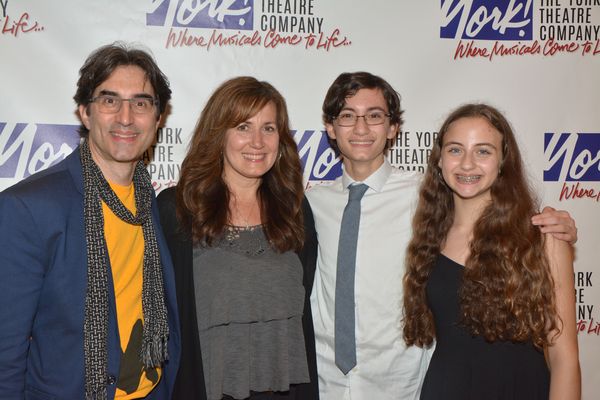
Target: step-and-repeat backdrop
[538, 61]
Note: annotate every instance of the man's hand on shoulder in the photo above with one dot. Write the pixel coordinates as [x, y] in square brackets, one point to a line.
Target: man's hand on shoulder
[558, 223]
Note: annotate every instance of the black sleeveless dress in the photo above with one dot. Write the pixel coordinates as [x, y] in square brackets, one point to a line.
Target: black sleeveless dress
[463, 367]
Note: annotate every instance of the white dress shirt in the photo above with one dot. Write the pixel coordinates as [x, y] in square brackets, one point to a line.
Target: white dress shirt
[386, 368]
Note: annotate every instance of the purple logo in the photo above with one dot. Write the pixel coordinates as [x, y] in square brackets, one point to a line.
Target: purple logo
[320, 161]
[487, 19]
[212, 14]
[28, 148]
[572, 157]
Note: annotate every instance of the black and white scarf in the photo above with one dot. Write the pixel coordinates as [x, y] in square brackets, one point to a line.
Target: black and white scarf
[156, 330]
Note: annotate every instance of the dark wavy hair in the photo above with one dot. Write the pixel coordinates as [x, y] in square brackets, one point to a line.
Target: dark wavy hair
[202, 193]
[102, 62]
[347, 85]
[507, 290]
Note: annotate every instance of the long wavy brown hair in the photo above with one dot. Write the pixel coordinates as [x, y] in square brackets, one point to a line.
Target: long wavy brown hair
[202, 194]
[507, 290]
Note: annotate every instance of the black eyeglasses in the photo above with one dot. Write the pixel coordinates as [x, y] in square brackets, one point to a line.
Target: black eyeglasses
[112, 105]
[350, 118]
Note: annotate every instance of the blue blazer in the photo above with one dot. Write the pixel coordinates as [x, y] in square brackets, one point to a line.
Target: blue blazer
[43, 279]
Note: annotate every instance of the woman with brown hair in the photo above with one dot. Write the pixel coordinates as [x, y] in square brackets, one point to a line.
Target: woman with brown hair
[244, 250]
[482, 281]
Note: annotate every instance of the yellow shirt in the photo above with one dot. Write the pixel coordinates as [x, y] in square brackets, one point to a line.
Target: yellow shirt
[125, 243]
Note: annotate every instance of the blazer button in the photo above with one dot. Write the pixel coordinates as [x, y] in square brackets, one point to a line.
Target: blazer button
[111, 380]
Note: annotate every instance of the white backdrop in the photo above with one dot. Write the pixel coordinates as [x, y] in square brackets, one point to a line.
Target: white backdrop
[538, 61]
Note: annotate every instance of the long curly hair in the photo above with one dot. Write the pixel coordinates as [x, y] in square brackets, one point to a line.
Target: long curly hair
[202, 193]
[507, 290]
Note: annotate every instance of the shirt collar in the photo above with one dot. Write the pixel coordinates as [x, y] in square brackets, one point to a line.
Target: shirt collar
[375, 181]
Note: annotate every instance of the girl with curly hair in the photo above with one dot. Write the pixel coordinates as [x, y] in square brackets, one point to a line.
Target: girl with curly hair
[487, 286]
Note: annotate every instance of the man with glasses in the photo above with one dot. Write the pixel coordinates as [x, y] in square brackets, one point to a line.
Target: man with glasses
[363, 222]
[88, 292]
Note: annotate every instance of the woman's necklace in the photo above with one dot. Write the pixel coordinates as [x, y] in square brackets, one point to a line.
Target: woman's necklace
[249, 215]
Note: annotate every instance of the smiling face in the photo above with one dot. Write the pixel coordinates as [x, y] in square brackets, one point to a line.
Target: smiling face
[470, 159]
[252, 147]
[117, 141]
[362, 145]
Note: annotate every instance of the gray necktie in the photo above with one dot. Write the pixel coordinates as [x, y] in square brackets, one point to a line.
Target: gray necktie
[345, 342]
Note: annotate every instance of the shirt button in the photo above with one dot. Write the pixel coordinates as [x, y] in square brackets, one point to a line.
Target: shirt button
[111, 380]
[354, 369]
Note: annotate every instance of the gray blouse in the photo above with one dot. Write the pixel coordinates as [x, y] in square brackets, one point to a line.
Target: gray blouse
[250, 302]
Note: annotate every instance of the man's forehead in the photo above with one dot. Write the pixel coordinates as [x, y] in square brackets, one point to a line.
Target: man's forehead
[127, 78]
